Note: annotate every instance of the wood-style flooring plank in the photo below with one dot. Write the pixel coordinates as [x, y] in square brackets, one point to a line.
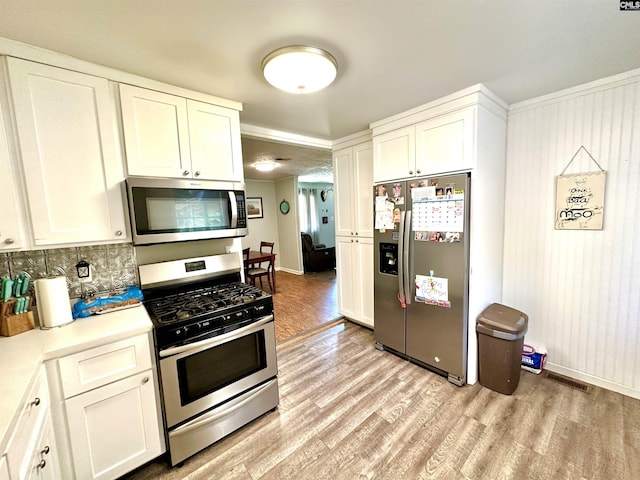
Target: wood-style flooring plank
[348, 411]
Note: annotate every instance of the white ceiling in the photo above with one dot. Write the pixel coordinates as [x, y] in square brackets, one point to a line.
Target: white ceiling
[393, 55]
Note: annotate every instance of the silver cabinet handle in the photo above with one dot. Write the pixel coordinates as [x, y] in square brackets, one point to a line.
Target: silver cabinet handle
[45, 450]
[145, 380]
[118, 233]
[42, 464]
[185, 173]
[36, 402]
[9, 241]
[410, 172]
[418, 171]
[197, 174]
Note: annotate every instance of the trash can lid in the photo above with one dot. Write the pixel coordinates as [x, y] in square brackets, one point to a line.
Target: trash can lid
[503, 318]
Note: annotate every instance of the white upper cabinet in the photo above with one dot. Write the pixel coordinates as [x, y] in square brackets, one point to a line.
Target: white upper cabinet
[156, 133]
[70, 155]
[433, 139]
[353, 182]
[394, 154]
[11, 234]
[216, 151]
[170, 136]
[446, 143]
[438, 145]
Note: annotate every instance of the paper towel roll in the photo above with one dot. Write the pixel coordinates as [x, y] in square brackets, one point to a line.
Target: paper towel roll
[52, 297]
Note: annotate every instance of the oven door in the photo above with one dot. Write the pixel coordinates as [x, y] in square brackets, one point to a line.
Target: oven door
[198, 376]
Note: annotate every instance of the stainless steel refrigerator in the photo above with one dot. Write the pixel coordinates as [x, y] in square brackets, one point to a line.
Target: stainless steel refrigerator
[421, 278]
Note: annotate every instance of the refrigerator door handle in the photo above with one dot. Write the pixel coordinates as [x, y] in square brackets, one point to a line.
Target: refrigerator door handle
[406, 232]
[401, 264]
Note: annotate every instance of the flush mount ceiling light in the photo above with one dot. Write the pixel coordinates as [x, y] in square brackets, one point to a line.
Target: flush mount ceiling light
[265, 166]
[299, 69]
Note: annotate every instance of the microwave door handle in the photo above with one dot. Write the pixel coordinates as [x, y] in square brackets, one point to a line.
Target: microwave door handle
[234, 209]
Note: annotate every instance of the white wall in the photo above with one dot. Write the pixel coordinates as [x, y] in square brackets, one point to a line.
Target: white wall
[581, 289]
[265, 228]
[289, 226]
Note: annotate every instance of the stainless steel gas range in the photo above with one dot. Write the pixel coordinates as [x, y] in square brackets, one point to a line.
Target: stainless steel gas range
[216, 349]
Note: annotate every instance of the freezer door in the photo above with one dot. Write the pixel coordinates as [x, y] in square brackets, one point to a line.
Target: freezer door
[437, 332]
[389, 316]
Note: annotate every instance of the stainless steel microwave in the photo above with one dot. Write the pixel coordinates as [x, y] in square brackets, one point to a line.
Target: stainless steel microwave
[173, 210]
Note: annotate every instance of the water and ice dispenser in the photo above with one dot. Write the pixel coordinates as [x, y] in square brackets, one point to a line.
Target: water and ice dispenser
[389, 258]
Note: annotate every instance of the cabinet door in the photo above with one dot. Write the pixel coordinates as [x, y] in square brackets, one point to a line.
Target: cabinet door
[114, 429]
[446, 144]
[214, 132]
[354, 266]
[394, 154]
[11, 233]
[72, 169]
[363, 181]
[364, 281]
[345, 196]
[156, 133]
[345, 271]
[44, 456]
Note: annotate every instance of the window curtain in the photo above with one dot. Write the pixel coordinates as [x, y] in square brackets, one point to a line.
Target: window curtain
[308, 212]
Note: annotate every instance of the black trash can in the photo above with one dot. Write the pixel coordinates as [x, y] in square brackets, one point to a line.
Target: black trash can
[501, 332]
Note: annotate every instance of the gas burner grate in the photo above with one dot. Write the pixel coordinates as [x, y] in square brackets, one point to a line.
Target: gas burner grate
[202, 301]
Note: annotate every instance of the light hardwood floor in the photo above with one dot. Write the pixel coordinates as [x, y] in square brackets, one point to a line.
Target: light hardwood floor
[348, 411]
[302, 303]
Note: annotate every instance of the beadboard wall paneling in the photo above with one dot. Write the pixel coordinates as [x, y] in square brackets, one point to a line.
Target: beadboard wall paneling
[581, 289]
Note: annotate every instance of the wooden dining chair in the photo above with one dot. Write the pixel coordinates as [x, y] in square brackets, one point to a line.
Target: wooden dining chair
[245, 261]
[264, 269]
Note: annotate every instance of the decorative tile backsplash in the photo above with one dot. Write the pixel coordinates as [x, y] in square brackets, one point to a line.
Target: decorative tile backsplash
[114, 267]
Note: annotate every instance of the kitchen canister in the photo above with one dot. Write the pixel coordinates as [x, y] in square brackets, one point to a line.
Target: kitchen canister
[54, 306]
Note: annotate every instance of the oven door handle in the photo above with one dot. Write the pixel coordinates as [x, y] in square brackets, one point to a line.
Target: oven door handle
[214, 341]
[205, 419]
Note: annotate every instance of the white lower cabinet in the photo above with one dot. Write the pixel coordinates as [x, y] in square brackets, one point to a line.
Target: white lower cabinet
[43, 456]
[32, 452]
[114, 429]
[354, 265]
[112, 425]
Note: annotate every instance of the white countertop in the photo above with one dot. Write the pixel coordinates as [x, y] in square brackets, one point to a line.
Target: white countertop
[23, 354]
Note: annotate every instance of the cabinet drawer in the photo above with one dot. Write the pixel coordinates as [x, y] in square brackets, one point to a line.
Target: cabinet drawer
[29, 424]
[99, 366]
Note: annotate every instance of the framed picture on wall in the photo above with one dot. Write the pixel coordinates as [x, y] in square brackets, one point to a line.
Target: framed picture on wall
[254, 207]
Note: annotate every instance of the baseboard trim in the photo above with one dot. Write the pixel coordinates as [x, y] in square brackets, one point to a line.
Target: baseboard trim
[599, 382]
